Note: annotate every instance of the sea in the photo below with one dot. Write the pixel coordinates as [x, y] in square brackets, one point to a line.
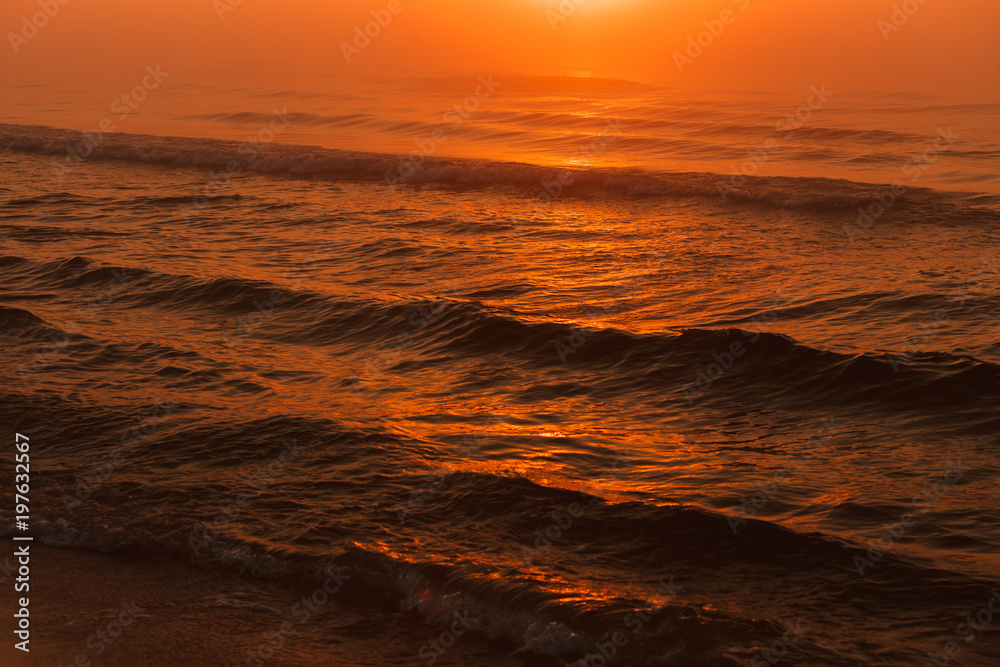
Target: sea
[550, 369]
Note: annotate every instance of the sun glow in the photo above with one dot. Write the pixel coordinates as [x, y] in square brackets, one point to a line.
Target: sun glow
[759, 44]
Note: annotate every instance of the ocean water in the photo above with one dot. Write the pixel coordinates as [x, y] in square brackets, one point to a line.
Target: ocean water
[601, 373]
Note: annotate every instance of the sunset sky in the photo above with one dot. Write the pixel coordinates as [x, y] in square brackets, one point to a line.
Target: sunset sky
[943, 47]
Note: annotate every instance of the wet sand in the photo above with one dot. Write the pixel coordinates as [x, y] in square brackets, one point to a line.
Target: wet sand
[181, 614]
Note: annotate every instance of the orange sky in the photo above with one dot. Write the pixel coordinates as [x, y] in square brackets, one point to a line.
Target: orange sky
[946, 46]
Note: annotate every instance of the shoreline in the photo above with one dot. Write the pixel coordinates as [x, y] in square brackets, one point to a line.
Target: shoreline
[90, 608]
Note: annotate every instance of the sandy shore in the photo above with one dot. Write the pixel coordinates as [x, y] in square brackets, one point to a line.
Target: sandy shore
[162, 614]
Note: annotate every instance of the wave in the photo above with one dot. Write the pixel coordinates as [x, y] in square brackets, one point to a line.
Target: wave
[690, 121]
[518, 613]
[53, 198]
[674, 366]
[692, 365]
[674, 553]
[24, 323]
[534, 182]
